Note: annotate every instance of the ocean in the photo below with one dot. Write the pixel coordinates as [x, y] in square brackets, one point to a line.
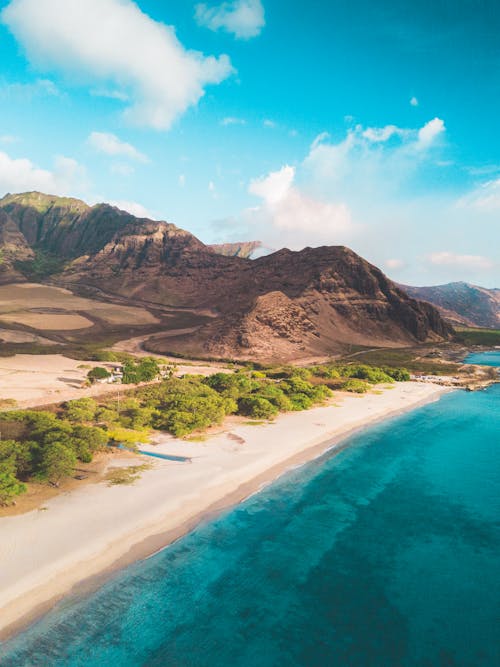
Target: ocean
[385, 555]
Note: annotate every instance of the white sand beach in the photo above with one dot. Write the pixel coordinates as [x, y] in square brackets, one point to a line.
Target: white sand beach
[97, 528]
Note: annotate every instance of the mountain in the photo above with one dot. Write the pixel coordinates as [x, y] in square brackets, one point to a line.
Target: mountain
[244, 249]
[462, 303]
[285, 305]
[13, 249]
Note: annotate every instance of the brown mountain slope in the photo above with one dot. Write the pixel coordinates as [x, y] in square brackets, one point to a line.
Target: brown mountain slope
[13, 249]
[316, 301]
[462, 303]
[284, 305]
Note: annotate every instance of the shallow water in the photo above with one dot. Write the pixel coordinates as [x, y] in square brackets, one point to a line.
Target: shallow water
[485, 358]
[385, 555]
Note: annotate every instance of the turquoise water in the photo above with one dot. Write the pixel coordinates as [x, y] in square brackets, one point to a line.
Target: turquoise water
[486, 358]
[386, 555]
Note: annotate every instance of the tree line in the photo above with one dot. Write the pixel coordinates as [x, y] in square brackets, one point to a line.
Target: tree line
[42, 446]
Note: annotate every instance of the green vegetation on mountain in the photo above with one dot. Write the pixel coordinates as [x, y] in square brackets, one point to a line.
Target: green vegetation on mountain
[43, 265]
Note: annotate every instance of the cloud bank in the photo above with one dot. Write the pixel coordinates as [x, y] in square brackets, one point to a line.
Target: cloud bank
[112, 42]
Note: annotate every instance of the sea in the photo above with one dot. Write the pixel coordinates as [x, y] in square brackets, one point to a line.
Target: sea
[386, 554]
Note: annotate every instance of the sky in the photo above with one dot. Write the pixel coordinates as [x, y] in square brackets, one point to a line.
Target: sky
[368, 124]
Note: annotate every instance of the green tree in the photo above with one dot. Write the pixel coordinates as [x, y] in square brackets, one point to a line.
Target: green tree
[81, 410]
[10, 486]
[98, 373]
[87, 440]
[257, 407]
[57, 462]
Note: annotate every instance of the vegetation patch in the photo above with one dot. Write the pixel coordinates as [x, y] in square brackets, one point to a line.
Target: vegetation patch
[469, 336]
[127, 475]
[46, 446]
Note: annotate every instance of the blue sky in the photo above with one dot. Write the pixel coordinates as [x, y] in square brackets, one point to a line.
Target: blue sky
[368, 124]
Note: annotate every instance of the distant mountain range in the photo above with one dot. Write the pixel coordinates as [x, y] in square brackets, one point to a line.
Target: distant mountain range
[461, 303]
[285, 305]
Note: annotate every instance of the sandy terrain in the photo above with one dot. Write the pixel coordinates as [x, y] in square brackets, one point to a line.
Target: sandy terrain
[33, 380]
[15, 298]
[87, 531]
[45, 321]
[10, 336]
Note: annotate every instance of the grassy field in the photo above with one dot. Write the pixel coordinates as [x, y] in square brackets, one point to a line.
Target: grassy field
[413, 359]
[469, 336]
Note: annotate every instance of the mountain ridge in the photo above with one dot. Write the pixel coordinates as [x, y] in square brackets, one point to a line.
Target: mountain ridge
[462, 303]
[284, 305]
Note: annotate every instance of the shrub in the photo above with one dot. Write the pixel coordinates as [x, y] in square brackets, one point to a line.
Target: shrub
[257, 407]
[355, 386]
[81, 410]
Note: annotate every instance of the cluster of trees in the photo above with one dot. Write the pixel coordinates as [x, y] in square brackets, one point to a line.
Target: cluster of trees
[134, 371]
[46, 446]
[358, 377]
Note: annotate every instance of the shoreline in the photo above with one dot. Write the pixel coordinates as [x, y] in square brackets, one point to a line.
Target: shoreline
[222, 476]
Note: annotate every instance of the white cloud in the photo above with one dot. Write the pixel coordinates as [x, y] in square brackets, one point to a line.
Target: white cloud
[269, 123]
[288, 215]
[447, 258]
[381, 134]
[110, 144]
[243, 18]
[394, 264]
[366, 162]
[429, 132]
[231, 120]
[112, 43]
[22, 175]
[182, 180]
[132, 207]
[414, 101]
[28, 91]
[485, 198]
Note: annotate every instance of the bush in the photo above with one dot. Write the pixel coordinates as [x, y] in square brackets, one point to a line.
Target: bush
[81, 410]
[355, 386]
[257, 407]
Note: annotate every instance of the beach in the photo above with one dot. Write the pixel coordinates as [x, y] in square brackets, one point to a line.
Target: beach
[89, 532]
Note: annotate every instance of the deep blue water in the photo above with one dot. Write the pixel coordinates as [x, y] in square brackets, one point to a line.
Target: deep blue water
[386, 555]
[486, 358]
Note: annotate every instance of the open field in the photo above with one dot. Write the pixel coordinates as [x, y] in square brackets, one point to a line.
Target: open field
[33, 380]
[42, 320]
[55, 309]
[488, 337]
[423, 359]
[23, 337]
